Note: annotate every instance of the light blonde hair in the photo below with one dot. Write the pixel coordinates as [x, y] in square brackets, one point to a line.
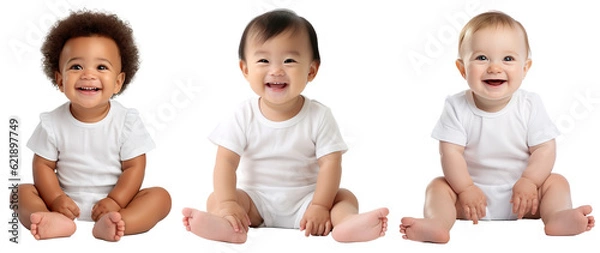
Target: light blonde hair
[490, 19]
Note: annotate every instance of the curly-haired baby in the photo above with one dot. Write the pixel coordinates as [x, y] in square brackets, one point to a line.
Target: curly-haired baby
[90, 160]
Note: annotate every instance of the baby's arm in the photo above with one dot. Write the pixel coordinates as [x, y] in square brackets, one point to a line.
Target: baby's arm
[316, 219]
[225, 190]
[128, 185]
[47, 185]
[471, 198]
[525, 190]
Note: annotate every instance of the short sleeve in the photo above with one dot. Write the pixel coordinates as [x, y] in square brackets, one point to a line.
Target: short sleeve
[449, 127]
[329, 138]
[540, 128]
[231, 132]
[135, 139]
[43, 141]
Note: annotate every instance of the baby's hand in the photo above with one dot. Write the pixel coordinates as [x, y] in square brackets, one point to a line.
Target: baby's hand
[104, 206]
[525, 197]
[66, 206]
[473, 203]
[236, 215]
[316, 221]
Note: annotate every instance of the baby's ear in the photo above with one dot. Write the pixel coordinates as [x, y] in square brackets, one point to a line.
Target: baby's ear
[461, 68]
[313, 69]
[59, 81]
[244, 68]
[119, 82]
[526, 67]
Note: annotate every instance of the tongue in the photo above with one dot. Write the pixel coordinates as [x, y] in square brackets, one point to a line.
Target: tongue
[495, 82]
[277, 86]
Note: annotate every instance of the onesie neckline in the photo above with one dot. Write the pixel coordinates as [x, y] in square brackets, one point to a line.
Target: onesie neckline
[280, 124]
[482, 113]
[84, 124]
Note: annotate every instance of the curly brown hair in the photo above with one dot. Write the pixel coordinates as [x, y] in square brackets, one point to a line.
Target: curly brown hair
[86, 24]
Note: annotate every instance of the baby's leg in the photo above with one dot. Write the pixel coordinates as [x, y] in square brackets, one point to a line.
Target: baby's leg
[35, 216]
[351, 226]
[210, 225]
[557, 211]
[146, 209]
[440, 215]
[110, 227]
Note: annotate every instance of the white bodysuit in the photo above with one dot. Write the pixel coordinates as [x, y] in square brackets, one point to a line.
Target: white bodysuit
[496, 144]
[278, 167]
[88, 155]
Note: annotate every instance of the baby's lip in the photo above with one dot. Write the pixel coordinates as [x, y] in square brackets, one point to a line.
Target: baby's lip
[494, 82]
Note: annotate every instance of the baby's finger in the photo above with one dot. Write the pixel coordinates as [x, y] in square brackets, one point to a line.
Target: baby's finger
[234, 223]
[320, 229]
[482, 212]
[474, 217]
[75, 210]
[302, 224]
[248, 222]
[309, 228]
[534, 206]
[68, 213]
[327, 228]
[516, 201]
[467, 212]
[523, 208]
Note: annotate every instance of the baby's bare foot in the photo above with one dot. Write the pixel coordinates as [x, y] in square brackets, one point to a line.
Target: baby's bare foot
[424, 230]
[46, 225]
[362, 227]
[570, 222]
[110, 227]
[211, 227]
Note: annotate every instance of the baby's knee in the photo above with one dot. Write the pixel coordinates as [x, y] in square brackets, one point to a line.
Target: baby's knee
[24, 189]
[438, 183]
[556, 179]
[163, 195]
[345, 194]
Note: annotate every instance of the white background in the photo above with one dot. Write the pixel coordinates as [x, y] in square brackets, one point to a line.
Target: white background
[386, 68]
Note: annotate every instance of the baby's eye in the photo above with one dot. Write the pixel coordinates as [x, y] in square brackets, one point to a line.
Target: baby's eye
[481, 58]
[262, 61]
[509, 58]
[76, 67]
[289, 61]
[102, 67]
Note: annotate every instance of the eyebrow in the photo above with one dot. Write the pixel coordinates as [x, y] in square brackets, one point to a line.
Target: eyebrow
[292, 52]
[97, 59]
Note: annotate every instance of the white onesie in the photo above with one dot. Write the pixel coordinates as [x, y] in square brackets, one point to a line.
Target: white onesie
[278, 167]
[496, 144]
[88, 155]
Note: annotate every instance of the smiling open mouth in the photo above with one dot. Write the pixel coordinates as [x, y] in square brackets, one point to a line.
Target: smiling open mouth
[276, 85]
[495, 82]
[88, 88]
